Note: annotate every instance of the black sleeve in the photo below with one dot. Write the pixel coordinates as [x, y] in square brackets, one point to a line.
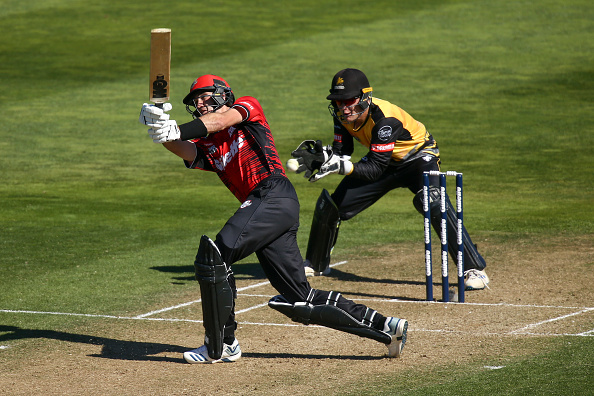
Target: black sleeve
[343, 141]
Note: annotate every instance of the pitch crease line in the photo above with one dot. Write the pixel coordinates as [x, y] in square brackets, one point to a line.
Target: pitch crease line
[200, 300]
[533, 325]
[589, 333]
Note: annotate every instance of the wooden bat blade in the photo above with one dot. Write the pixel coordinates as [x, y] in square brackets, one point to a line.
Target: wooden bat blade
[160, 65]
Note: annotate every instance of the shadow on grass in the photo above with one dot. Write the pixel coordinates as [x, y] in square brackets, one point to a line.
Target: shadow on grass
[241, 271]
[145, 351]
[111, 348]
[348, 277]
[254, 271]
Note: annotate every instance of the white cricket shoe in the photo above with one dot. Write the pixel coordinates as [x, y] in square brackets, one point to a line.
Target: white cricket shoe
[397, 329]
[476, 280]
[200, 355]
[309, 271]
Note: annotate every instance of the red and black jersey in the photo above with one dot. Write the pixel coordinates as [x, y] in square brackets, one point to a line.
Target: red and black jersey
[392, 136]
[242, 155]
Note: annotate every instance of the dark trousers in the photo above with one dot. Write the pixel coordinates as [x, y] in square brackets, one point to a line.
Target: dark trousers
[353, 195]
[266, 223]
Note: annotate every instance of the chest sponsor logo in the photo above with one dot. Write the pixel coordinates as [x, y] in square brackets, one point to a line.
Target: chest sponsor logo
[222, 162]
[382, 148]
[385, 132]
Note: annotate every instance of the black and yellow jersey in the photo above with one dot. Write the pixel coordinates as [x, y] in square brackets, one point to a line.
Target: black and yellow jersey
[392, 135]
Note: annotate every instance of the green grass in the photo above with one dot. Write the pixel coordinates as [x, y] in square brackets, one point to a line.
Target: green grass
[563, 369]
[91, 207]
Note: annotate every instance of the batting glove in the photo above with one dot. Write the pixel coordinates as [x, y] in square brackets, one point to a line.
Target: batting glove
[310, 156]
[154, 116]
[334, 164]
[168, 133]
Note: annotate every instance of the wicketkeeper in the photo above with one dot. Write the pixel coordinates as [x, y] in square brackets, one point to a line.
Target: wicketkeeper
[400, 150]
[232, 138]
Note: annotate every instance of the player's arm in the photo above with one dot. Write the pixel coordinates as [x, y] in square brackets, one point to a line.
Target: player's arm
[163, 129]
[183, 149]
[209, 123]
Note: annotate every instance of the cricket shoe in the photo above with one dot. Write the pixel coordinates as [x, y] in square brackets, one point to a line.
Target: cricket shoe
[309, 271]
[200, 355]
[476, 280]
[396, 328]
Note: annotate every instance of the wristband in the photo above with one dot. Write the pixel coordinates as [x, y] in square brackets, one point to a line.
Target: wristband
[193, 130]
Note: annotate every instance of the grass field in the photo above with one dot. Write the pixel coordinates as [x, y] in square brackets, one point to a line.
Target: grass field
[95, 219]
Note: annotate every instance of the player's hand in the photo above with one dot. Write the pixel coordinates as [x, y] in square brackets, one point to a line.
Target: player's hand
[310, 155]
[334, 164]
[167, 133]
[154, 116]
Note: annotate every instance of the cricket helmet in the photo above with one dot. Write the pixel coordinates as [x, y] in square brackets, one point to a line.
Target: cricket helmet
[349, 84]
[221, 92]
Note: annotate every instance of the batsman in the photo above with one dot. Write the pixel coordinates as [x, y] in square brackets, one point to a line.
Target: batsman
[400, 150]
[232, 138]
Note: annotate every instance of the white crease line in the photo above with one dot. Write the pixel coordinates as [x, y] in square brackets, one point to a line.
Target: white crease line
[168, 309]
[241, 323]
[200, 300]
[587, 333]
[533, 325]
[194, 302]
[250, 308]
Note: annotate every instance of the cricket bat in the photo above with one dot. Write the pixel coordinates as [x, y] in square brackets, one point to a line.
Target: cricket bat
[160, 66]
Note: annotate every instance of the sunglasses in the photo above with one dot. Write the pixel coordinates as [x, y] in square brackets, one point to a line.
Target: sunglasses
[346, 103]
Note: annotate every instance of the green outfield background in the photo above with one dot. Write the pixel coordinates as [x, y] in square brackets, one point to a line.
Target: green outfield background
[90, 207]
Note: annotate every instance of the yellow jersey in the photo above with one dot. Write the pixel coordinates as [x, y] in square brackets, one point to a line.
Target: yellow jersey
[392, 135]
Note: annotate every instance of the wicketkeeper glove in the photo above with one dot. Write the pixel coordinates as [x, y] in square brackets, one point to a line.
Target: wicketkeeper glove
[153, 116]
[310, 156]
[334, 164]
[168, 133]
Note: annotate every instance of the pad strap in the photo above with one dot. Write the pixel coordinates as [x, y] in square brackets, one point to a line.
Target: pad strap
[329, 315]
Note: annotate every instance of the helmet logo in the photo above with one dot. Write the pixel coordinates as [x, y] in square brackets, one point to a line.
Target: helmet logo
[339, 83]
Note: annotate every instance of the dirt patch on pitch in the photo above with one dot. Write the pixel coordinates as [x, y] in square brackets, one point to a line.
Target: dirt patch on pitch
[537, 291]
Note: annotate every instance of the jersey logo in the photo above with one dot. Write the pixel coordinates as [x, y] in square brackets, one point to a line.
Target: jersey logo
[382, 148]
[385, 132]
[222, 163]
[246, 204]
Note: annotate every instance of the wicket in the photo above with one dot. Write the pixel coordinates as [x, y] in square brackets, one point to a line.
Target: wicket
[444, 235]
